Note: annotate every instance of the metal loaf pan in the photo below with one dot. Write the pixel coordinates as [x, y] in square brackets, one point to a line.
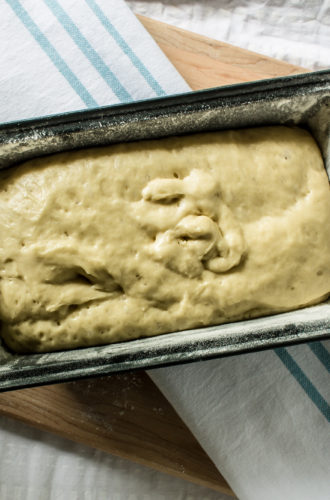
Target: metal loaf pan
[302, 100]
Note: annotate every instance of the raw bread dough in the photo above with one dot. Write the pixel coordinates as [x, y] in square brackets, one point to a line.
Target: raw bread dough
[139, 239]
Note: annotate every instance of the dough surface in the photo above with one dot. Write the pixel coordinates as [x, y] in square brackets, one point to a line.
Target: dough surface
[138, 239]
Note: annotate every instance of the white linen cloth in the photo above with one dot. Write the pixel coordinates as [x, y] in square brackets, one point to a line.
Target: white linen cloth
[262, 417]
[296, 31]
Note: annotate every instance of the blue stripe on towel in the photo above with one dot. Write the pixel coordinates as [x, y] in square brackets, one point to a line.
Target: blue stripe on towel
[83, 44]
[321, 353]
[152, 82]
[303, 381]
[52, 53]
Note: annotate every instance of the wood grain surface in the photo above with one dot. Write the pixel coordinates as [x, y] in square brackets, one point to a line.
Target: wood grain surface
[126, 414]
[204, 62]
[123, 414]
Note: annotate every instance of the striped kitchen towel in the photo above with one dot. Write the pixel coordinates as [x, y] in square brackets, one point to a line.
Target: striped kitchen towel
[59, 56]
[262, 417]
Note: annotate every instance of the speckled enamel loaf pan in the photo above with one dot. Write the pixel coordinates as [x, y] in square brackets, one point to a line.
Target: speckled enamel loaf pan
[301, 100]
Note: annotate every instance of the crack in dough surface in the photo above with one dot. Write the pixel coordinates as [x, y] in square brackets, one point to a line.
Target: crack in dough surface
[138, 239]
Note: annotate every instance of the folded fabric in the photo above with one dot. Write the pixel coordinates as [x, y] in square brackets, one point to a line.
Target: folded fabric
[262, 417]
[292, 31]
[63, 56]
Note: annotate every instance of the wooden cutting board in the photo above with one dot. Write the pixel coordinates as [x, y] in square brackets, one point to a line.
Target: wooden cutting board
[126, 414]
